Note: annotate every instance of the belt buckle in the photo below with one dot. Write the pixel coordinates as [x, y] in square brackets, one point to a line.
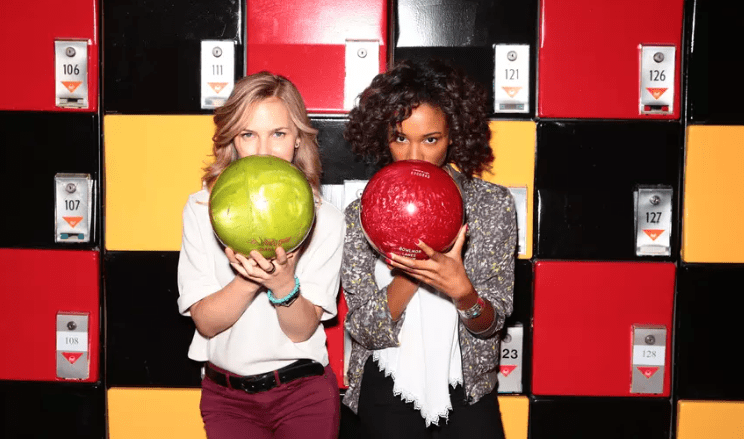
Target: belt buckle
[254, 384]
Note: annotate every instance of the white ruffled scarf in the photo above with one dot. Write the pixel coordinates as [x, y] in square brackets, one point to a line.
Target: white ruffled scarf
[427, 361]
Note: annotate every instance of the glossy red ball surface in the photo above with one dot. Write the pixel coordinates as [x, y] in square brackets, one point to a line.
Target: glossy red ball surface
[410, 200]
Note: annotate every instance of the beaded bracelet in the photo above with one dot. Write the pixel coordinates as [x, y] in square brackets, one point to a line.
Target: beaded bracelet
[289, 298]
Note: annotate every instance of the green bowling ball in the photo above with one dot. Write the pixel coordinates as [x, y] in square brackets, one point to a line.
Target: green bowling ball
[261, 203]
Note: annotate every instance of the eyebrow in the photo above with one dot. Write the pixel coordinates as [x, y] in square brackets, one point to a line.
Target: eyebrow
[275, 129]
[400, 133]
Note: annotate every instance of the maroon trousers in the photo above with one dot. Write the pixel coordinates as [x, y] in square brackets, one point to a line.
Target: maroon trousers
[304, 408]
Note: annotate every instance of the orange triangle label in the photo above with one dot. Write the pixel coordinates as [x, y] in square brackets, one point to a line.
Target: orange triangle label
[71, 85]
[72, 220]
[656, 92]
[217, 86]
[512, 91]
[653, 233]
[507, 369]
[72, 357]
[648, 372]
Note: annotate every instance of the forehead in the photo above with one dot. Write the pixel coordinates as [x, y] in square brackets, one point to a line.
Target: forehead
[425, 118]
[269, 111]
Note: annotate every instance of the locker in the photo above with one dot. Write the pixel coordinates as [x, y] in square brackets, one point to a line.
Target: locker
[708, 330]
[590, 59]
[467, 35]
[704, 419]
[587, 175]
[147, 339]
[515, 412]
[37, 146]
[148, 413]
[339, 162]
[39, 285]
[152, 165]
[28, 32]
[152, 53]
[589, 418]
[59, 410]
[584, 315]
[712, 96]
[523, 279]
[315, 46]
[521, 318]
[711, 230]
[513, 146]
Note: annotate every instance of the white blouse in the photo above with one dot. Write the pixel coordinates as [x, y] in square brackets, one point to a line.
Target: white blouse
[256, 343]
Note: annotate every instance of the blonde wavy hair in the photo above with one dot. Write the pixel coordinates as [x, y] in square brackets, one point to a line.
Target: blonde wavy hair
[228, 121]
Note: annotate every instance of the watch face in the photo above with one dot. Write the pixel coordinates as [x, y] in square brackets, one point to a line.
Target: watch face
[292, 299]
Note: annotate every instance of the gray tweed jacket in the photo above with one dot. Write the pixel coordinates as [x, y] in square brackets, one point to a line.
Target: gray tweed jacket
[489, 262]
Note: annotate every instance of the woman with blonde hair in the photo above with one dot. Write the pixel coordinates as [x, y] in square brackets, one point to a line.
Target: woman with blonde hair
[257, 320]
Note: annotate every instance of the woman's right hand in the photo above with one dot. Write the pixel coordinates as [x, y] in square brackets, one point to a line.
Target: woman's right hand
[276, 275]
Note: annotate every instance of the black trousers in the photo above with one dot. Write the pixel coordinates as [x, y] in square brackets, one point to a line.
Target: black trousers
[383, 415]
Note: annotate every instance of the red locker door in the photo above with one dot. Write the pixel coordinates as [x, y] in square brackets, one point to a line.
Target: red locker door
[39, 286]
[305, 40]
[28, 31]
[590, 59]
[583, 319]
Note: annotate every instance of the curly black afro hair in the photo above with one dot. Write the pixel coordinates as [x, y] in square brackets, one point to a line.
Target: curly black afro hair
[392, 96]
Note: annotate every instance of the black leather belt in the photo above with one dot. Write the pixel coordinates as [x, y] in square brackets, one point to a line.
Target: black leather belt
[266, 381]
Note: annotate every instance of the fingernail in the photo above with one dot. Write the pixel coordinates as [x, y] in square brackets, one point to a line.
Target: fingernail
[388, 261]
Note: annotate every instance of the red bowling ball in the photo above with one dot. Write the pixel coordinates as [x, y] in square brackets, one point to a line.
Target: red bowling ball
[410, 200]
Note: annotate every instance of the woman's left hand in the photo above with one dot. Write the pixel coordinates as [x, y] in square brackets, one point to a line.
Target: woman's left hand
[443, 271]
[277, 274]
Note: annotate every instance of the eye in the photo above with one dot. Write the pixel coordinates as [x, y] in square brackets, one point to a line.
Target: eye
[431, 140]
[399, 139]
[247, 135]
[280, 134]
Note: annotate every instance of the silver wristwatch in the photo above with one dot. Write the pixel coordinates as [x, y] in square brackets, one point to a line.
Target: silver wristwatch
[474, 311]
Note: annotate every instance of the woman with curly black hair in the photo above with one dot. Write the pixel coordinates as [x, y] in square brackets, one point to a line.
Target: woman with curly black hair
[425, 349]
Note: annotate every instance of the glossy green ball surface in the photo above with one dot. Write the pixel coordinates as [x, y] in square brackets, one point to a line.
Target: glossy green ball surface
[261, 203]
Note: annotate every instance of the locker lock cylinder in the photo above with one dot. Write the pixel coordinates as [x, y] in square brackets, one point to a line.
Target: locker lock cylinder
[70, 52]
[658, 57]
[71, 326]
[655, 200]
[512, 55]
[362, 52]
[217, 52]
[70, 188]
[650, 339]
